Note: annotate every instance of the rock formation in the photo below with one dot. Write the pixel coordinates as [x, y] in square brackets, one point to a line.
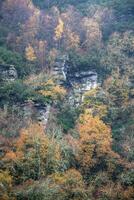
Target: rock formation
[8, 73]
[77, 83]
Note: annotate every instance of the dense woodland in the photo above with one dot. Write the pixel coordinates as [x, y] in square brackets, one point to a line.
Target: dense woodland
[85, 152]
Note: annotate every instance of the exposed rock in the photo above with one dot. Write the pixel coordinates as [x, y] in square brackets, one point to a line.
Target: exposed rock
[78, 82]
[42, 114]
[28, 110]
[8, 73]
[80, 87]
[59, 69]
[32, 111]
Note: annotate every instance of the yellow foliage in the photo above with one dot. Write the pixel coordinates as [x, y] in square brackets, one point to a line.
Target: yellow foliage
[70, 180]
[36, 80]
[5, 178]
[30, 53]
[70, 174]
[72, 40]
[97, 108]
[59, 29]
[55, 91]
[48, 87]
[5, 185]
[92, 32]
[95, 138]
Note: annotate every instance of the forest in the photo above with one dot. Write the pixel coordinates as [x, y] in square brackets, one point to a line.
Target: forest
[66, 99]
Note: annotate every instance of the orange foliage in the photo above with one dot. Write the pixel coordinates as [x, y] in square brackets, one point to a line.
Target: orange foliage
[26, 142]
[95, 139]
[129, 193]
[10, 155]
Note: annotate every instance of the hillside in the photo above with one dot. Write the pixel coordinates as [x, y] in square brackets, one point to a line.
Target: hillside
[66, 99]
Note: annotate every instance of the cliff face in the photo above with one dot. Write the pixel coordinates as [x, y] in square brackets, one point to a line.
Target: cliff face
[77, 83]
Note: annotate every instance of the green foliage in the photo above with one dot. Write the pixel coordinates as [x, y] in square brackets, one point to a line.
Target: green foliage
[18, 92]
[59, 186]
[59, 3]
[89, 61]
[13, 58]
[11, 120]
[3, 35]
[15, 92]
[52, 164]
[66, 117]
[127, 178]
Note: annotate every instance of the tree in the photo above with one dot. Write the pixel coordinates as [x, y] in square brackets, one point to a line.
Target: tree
[59, 29]
[51, 90]
[28, 159]
[58, 186]
[93, 35]
[95, 140]
[95, 100]
[5, 186]
[70, 184]
[15, 13]
[71, 39]
[41, 52]
[30, 53]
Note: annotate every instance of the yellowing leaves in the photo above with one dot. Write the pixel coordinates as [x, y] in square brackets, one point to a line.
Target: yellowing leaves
[95, 138]
[46, 86]
[52, 90]
[72, 40]
[92, 32]
[96, 105]
[59, 29]
[30, 53]
[35, 80]
[69, 182]
[5, 185]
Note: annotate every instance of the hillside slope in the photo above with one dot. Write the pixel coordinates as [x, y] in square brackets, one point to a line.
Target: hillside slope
[66, 100]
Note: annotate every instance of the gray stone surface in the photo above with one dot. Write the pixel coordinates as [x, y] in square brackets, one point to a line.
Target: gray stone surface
[32, 111]
[8, 73]
[79, 82]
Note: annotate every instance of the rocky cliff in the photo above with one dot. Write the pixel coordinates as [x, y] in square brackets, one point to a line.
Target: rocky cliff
[77, 83]
[8, 73]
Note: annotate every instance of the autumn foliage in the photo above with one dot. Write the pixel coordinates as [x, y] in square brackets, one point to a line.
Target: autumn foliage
[60, 139]
[95, 140]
